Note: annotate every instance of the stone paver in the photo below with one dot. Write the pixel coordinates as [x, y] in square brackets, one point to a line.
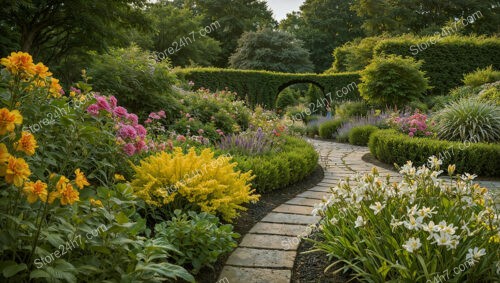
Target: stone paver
[248, 257]
[294, 209]
[278, 229]
[256, 275]
[267, 252]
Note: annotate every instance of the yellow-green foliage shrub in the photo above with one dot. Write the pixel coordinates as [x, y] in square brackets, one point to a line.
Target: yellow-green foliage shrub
[192, 181]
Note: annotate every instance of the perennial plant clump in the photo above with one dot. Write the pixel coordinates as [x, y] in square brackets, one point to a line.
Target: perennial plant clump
[193, 181]
[416, 125]
[413, 230]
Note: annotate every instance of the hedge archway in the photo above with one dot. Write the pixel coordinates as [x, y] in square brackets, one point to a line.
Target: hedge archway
[263, 87]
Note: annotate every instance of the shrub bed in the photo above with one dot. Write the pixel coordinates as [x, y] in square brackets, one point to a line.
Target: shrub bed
[360, 135]
[391, 147]
[329, 128]
[295, 161]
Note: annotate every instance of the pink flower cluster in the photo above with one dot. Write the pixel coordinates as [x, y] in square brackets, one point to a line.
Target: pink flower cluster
[415, 125]
[155, 116]
[129, 133]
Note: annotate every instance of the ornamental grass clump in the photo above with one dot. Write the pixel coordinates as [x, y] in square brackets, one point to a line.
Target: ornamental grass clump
[249, 143]
[193, 181]
[411, 231]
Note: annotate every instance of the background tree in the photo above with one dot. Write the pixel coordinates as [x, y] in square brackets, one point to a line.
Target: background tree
[55, 31]
[425, 16]
[323, 25]
[173, 26]
[235, 17]
[271, 50]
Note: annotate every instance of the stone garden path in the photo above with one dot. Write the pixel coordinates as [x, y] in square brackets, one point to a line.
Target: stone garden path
[267, 252]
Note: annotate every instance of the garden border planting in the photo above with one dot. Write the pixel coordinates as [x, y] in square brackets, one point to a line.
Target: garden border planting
[391, 147]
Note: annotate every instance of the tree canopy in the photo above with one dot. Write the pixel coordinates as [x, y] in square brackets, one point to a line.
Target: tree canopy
[271, 50]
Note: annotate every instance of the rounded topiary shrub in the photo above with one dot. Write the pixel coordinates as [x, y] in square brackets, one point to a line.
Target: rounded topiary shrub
[469, 120]
[329, 128]
[286, 98]
[393, 80]
[481, 76]
[361, 134]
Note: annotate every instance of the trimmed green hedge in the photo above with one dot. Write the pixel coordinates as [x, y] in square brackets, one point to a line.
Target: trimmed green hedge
[391, 147]
[263, 87]
[360, 135]
[446, 59]
[329, 128]
[276, 170]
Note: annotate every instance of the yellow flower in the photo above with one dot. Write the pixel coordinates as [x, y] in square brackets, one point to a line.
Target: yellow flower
[119, 177]
[19, 63]
[80, 179]
[35, 191]
[26, 143]
[9, 120]
[16, 171]
[69, 195]
[41, 70]
[95, 202]
[4, 153]
[55, 88]
[451, 169]
[61, 184]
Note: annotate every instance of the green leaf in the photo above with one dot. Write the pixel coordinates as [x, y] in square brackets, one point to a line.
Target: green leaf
[13, 269]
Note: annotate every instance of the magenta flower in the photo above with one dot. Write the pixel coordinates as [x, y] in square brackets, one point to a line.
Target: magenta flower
[141, 131]
[93, 109]
[148, 121]
[113, 101]
[411, 134]
[127, 131]
[155, 116]
[133, 118]
[103, 103]
[140, 146]
[181, 138]
[188, 115]
[200, 132]
[162, 114]
[120, 111]
[129, 149]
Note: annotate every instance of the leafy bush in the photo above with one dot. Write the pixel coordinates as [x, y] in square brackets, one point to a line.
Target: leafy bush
[393, 80]
[392, 147]
[446, 61]
[200, 237]
[137, 80]
[354, 55]
[350, 109]
[193, 182]
[288, 97]
[490, 94]
[481, 76]
[374, 117]
[469, 120]
[296, 160]
[263, 87]
[361, 134]
[312, 130]
[411, 231]
[250, 143]
[328, 129]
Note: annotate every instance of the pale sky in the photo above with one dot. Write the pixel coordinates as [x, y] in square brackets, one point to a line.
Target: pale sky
[282, 7]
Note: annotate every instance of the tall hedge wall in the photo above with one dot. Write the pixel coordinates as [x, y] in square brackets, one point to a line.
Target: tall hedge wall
[263, 87]
[446, 59]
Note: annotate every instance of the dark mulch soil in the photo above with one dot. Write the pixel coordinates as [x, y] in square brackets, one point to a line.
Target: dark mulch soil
[256, 212]
[310, 267]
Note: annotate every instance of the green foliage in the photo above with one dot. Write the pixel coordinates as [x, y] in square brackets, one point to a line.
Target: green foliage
[481, 76]
[234, 18]
[392, 147]
[263, 87]
[448, 59]
[287, 97]
[179, 30]
[393, 80]
[323, 25]
[138, 81]
[491, 95]
[350, 109]
[328, 129]
[354, 55]
[200, 237]
[424, 17]
[296, 160]
[270, 50]
[361, 134]
[462, 92]
[312, 130]
[469, 120]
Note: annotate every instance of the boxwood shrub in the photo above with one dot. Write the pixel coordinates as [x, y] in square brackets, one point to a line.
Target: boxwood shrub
[361, 134]
[391, 147]
[296, 160]
[329, 128]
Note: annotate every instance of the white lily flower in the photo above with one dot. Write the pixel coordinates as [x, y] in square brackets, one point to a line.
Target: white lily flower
[359, 222]
[412, 245]
[377, 207]
[474, 254]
